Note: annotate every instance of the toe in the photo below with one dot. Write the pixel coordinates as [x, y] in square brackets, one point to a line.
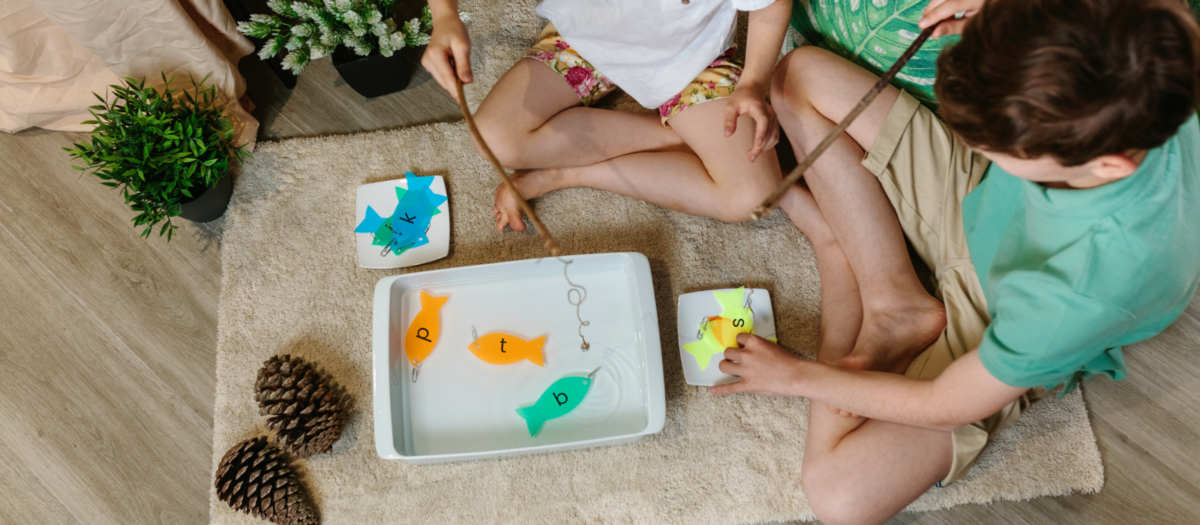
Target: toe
[516, 223]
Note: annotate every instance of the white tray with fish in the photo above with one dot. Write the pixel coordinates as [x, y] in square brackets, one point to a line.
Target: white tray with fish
[461, 407]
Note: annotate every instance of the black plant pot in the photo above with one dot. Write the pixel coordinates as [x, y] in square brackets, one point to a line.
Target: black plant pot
[210, 204]
[375, 74]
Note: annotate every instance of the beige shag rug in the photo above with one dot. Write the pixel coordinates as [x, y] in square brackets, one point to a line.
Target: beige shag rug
[292, 285]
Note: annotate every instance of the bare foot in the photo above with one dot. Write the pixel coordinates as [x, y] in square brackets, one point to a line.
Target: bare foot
[507, 211]
[532, 184]
[891, 339]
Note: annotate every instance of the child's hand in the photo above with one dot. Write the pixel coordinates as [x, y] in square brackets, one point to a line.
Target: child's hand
[947, 10]
[449, 40]
[749, 99]
[766, 368]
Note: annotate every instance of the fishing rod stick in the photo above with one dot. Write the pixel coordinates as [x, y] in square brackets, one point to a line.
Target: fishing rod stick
[773, 200]
[487, 152]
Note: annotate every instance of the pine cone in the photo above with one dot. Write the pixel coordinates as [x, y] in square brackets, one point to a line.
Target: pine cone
[255, 477]
[303, 405]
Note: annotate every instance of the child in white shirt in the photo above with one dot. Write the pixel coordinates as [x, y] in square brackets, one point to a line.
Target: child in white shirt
[716, 160]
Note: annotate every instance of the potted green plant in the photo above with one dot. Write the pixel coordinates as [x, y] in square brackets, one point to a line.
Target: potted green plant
[168, 151]
[373, 53]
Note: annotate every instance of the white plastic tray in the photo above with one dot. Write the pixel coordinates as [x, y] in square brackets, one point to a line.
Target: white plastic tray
[462, 408]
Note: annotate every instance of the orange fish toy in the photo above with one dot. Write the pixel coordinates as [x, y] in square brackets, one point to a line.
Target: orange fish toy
[423, 331]
[501, 348]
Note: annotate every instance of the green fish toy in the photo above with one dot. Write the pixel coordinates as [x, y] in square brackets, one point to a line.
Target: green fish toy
[561, 398]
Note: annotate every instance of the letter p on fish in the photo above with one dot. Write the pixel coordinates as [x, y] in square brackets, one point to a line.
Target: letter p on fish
[424, 330]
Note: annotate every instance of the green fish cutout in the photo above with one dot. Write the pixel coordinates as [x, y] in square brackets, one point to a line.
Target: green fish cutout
[557, 401]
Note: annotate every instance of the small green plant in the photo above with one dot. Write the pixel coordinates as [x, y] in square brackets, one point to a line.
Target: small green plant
[159, 148]
[312, 29]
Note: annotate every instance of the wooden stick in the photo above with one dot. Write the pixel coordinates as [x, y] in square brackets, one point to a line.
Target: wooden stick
[773, 200]
[487, 152]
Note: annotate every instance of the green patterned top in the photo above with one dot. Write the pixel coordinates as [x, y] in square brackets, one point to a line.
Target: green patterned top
[874, 33]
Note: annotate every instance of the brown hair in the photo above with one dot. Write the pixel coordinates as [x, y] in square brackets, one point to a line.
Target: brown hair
[1073, 79]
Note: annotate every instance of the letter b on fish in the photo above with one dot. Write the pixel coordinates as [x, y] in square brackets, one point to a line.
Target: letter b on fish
[561, 401]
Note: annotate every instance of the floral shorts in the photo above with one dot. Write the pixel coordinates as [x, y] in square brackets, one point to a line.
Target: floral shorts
[716, 82]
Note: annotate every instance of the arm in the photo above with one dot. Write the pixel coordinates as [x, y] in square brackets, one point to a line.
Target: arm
[966, 392]
[948, 9]
[449, 40]
[766, 30]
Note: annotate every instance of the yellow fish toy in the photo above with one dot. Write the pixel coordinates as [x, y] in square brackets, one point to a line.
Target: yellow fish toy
[501, 348]
[720, 332]
[423, 331]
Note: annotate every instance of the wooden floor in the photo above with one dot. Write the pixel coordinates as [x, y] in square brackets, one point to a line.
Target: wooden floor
[108, 341]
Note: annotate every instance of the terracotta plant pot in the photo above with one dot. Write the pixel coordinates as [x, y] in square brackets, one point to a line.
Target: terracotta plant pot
[210, 204]
[375, 74]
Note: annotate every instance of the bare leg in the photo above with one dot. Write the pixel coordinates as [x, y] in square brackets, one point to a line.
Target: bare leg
[716, 182]
[532, 119]
[857, 470]
[841, 301]
[811, 90]
[841, 304]
[868, 473]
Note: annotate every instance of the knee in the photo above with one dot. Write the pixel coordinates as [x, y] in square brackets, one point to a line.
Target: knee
[832, 500]
[791, 78]
[507, 143]
[740, 202]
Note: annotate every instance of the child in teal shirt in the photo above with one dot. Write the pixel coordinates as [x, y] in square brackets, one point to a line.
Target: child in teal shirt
[1074, 275]
[1057, 200]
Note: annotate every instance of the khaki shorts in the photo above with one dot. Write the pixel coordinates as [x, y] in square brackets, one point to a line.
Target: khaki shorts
[925, 172]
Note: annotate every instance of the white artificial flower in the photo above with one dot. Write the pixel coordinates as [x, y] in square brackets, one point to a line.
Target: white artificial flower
[260, 18]
[268, 50]
[352, 18]
[305, 30]
[465, 16]
[412, 27]
[422, 39]
[282, 7]
[398, 40]
[254, 29]
[385, 46]
[295, 61]
[319, 51]
[379, 29]
[344, 5]
[374, 17]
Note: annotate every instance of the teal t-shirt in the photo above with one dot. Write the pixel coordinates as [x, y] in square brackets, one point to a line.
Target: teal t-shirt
[1071, 276]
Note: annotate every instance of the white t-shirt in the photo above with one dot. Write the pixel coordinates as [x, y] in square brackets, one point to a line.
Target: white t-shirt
[650, 48]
